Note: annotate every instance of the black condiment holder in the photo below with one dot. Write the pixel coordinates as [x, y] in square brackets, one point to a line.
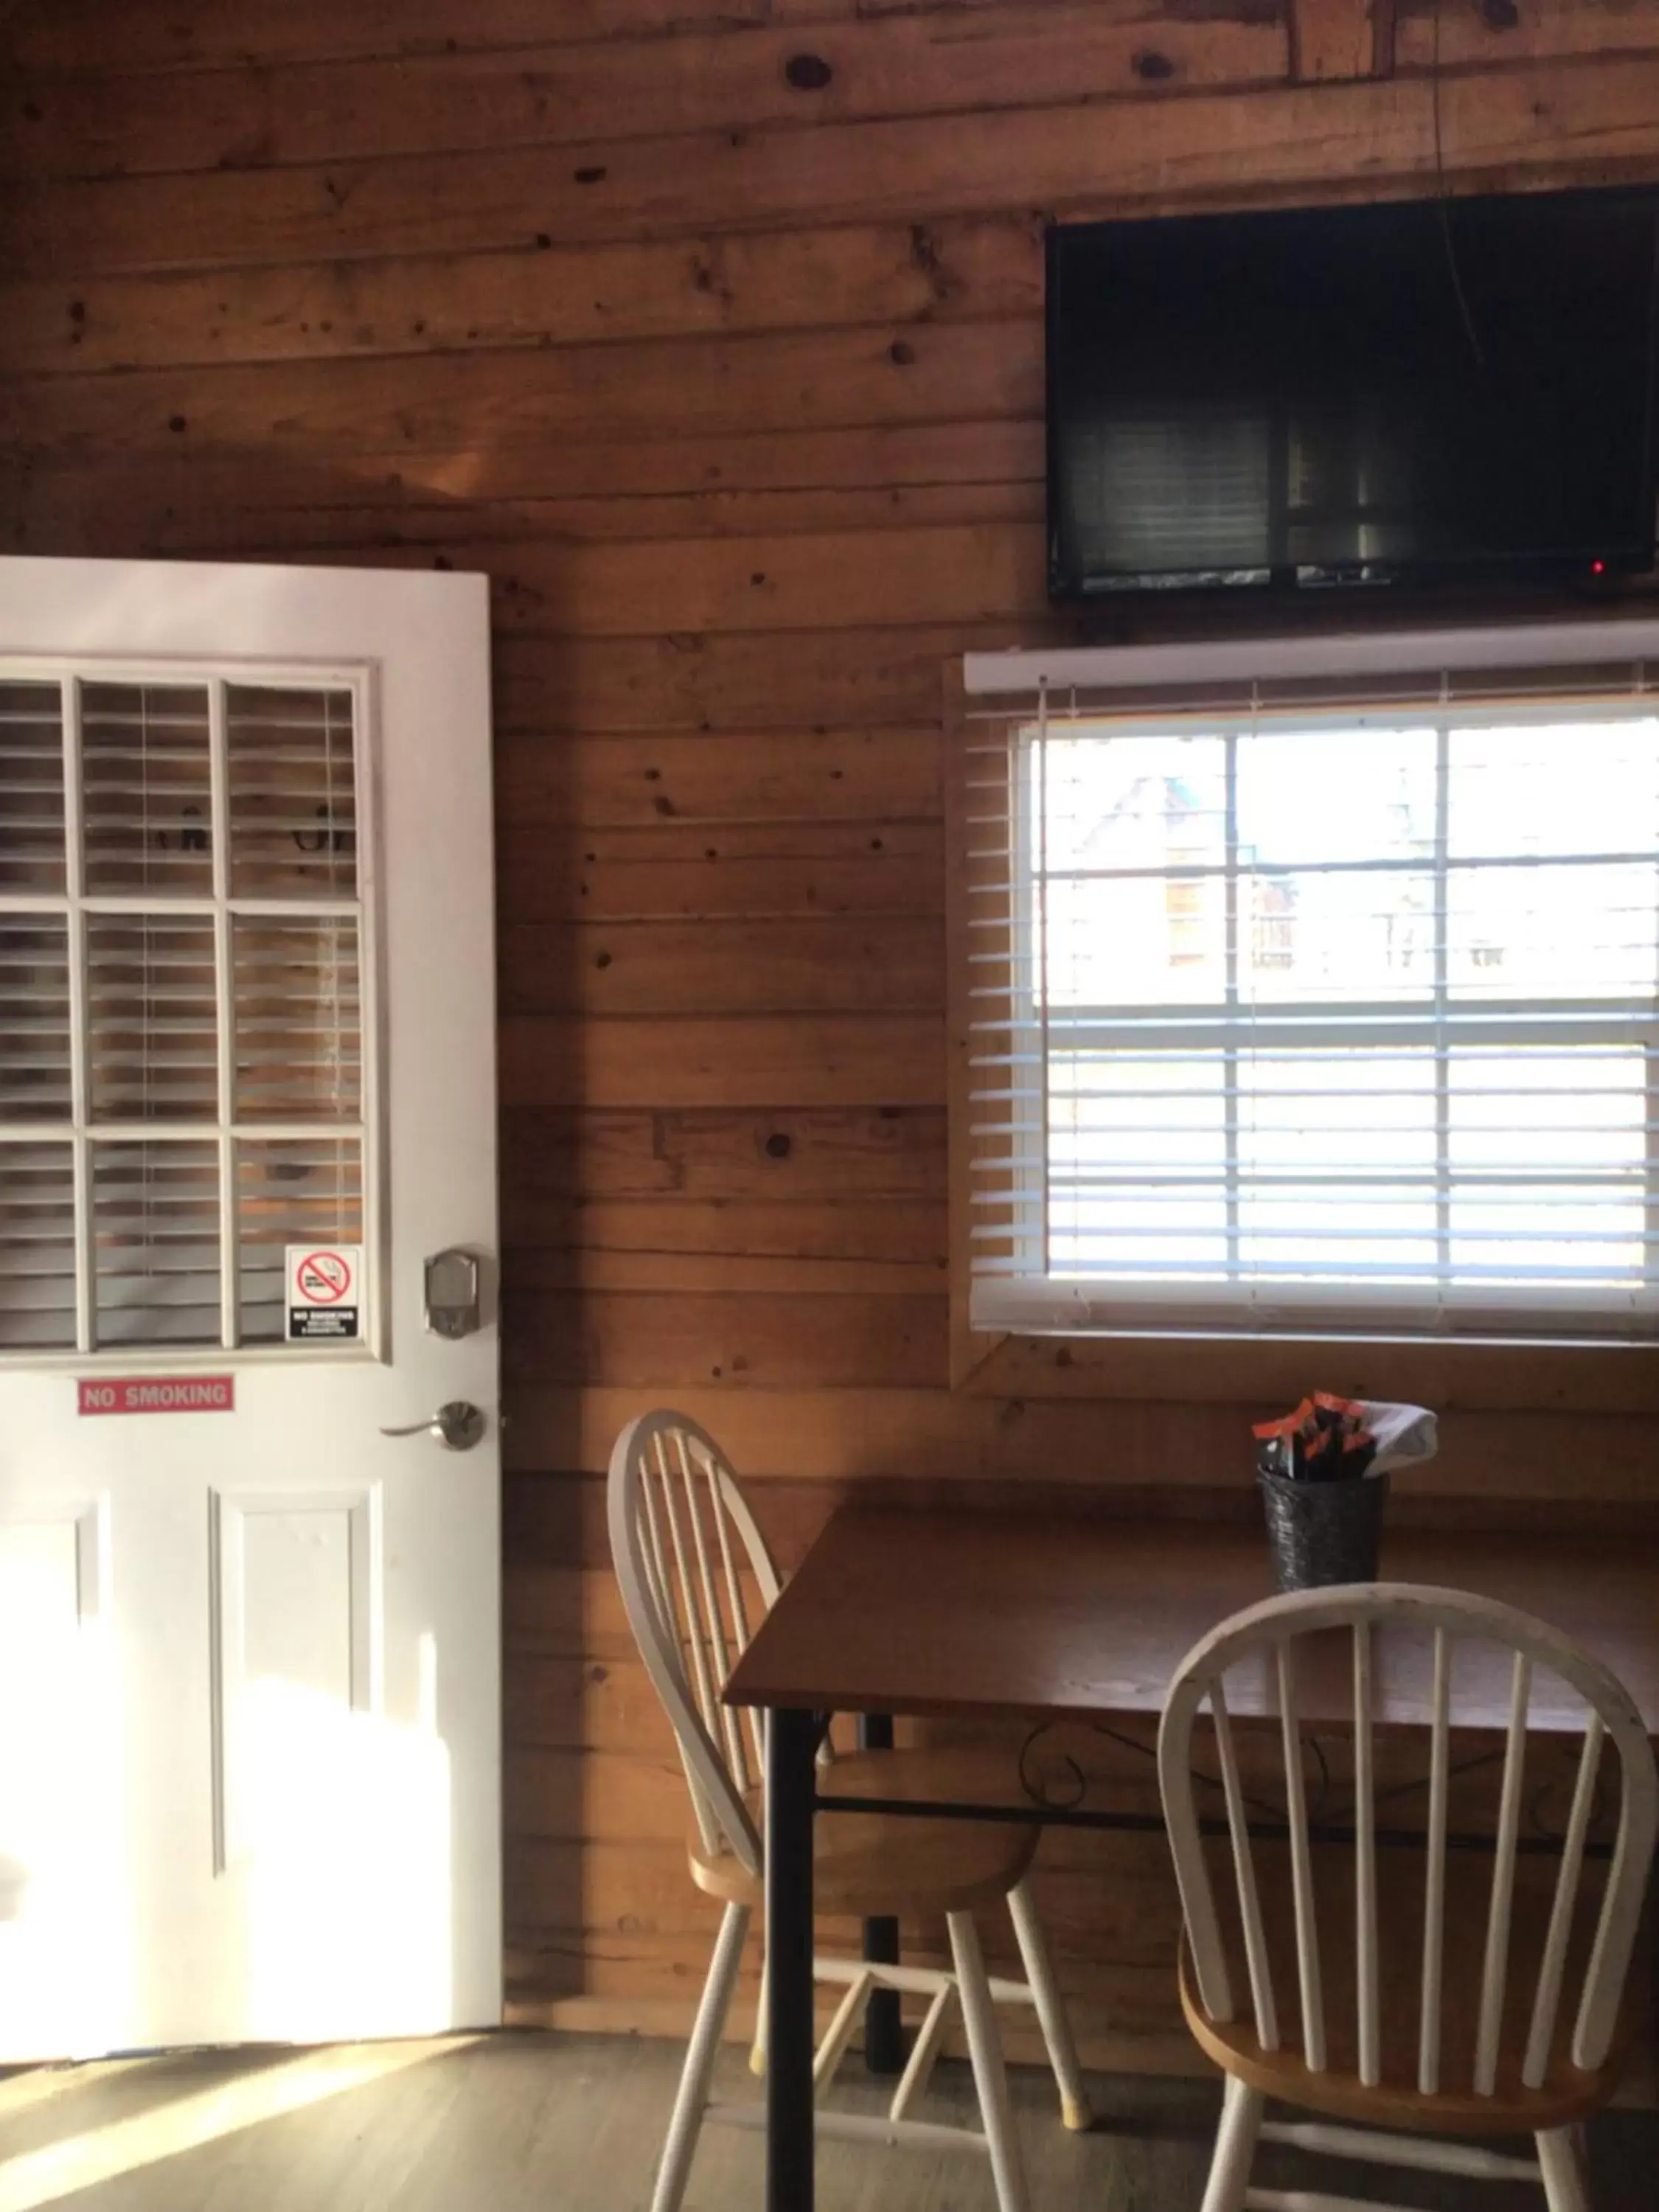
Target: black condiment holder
[1322, 1533]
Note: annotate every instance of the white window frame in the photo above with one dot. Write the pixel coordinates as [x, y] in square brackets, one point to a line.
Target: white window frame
[1035, 1304]
[73, 903]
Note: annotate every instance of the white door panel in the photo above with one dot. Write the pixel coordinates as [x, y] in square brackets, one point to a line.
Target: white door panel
[249, 1660]
[62, 1854]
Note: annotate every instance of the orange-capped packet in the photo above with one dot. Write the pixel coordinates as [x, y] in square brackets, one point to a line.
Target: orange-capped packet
[1350, 1408]
[1288, 1424]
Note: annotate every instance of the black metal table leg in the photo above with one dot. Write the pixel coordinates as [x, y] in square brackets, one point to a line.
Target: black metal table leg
[791, 1747]
[883, 2038]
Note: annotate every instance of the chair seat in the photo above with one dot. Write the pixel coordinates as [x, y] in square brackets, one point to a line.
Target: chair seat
[871, 1864]
[1567, 2094]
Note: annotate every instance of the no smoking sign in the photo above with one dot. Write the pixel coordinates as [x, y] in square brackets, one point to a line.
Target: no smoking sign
[323, 1292]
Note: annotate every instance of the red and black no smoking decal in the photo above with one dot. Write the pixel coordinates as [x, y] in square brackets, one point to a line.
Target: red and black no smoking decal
[324, 1278]
[323, 1295]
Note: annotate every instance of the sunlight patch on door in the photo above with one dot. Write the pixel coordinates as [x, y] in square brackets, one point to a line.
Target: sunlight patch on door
[331, 1817]
[66, 1966]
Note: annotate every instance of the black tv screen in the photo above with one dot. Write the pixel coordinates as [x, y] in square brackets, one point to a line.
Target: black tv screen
[1354, 395]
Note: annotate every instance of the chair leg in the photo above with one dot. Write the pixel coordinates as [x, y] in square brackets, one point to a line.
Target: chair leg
[1235, 2148]
[924, 2053]
[1050, 2010]
[758, 2048]
[985, 2052]
[686, 2125]
[1561, 2162]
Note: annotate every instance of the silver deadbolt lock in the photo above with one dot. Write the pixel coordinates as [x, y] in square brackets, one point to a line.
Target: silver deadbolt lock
[452, 1292]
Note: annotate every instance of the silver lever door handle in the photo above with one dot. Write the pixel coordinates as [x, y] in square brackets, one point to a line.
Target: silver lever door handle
[457, 1427]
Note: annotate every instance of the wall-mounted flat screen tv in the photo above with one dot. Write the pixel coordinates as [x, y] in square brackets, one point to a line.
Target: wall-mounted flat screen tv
[1354, 395]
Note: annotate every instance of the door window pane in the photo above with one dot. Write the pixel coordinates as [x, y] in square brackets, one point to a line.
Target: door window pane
[37, 1247]
[298, 1020]
[155, 1234]
[36, 1065]
[291, 762]
[146, 776]
[31, 787]
[153, 1052]
[308, 1192]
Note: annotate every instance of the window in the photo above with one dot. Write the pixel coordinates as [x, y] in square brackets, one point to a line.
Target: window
[1315, 992]
[183, 989]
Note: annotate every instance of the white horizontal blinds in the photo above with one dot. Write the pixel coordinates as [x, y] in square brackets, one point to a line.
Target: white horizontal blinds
[292, 806]
[1327, 1010]
[293, 796]
[37, 1178]
[155, 1237]
[300, 1191]
[37, 1246]
[182, 1006]
[36, 1079]
[1004, 826]
[152, 1016]
[146, 779]
[299, 1018]
[31, 849]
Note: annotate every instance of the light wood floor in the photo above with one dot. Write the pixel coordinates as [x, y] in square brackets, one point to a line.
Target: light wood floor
[563, 2123]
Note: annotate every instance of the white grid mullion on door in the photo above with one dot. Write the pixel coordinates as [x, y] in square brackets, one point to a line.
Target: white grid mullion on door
[84, 1130]
[230, 1317]
[75, 877]
[40, 901]
[371, 1043]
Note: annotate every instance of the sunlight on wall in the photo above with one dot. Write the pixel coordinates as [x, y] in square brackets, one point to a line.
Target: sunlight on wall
[81, 2161]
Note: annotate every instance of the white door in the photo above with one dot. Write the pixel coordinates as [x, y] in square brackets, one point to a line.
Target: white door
[249, 1643]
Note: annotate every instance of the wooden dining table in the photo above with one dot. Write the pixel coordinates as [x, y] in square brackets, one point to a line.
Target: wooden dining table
[956, 1612]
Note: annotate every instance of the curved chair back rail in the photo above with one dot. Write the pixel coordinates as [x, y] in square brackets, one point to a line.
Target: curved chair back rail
[683, 1539]
[1268, 1635]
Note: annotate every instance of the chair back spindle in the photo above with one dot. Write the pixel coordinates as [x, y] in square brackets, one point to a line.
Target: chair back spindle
[1495, 1966]
[682, 1536]
[1547, 2003]
[1510, 2041]
[1369, 2028]
[1434, 1901]
[1306, 1927]
[1255, 1940]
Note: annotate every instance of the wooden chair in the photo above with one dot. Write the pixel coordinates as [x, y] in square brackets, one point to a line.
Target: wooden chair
[1426, 1997]
[685, 1543]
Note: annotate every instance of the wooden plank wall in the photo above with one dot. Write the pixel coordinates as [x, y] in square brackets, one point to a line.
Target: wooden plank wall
[711, 330]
